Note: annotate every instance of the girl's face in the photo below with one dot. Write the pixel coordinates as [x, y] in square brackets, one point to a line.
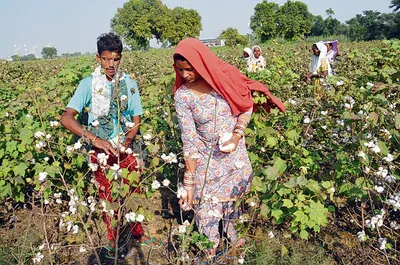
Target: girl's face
[245, 55]
[257, 52]
[187, 71]
[315, 50]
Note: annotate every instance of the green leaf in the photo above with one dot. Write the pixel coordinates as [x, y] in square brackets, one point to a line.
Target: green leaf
[256, 184]
[272, 141]
[271, 173]
[20, 169]
[383, 148]
[287, 203]
[397, 121]
[304, 234]
[280, 165]
[264, 210]
[277, 214]
[284, 251]
[291, 183]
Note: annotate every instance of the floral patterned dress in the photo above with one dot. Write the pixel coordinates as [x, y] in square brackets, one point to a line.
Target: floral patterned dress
[220, 178]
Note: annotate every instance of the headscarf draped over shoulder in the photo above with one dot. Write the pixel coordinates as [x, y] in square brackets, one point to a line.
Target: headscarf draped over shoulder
[224, 78]
[249, 51]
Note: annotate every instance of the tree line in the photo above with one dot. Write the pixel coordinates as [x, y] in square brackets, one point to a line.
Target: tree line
[138, 21]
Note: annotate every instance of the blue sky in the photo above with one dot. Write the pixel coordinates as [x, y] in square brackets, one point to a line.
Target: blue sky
[73, 25]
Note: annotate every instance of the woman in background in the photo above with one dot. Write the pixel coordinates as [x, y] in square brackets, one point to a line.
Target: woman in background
[319, 68]
[257, 60]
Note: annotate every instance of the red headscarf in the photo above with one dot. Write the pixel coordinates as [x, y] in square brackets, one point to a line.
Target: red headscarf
[224, 78]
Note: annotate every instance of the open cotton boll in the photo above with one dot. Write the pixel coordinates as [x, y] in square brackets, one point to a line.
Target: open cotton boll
[223, 139]
[227, 148]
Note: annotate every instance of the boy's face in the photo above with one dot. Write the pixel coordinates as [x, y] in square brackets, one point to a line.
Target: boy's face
[109, 61]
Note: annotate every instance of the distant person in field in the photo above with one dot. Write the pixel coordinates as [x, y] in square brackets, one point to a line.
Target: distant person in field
[257, 61]
[246, 53]
[213, 101]
[110, 138]
[319, 68]
[333, 52]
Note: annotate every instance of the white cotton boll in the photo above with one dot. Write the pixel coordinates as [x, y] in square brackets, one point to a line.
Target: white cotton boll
[182, 229]
[166, 182]
[376, 149]
[307, 120]
[77, 145]
[70, 149]
[147, 137]
[224, 138]
[382, 242]
[227, 148]
[361, 235]
[39, 134]
[155, 185]
[93, 167]
[379, 189]
[42, 176]
[181, 193]
[388, 158]
[140, 218]
[82, 249]
[271, 234]
[128, 151]
[362, 154]
[114, 167]
[75, 229]
[130, 124]
[54, 124]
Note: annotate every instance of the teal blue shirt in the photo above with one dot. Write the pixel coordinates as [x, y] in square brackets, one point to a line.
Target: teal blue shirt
[83, 98]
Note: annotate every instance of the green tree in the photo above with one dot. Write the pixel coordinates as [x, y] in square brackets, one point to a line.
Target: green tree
[390, 25]
[16, 57]
[395, 4]
[186, 23]
[232, 37]
[49, 52]
[329, 12]
[356, 29]
[318, 26]
[138, 21]
[294, 20]
[28, 57]
[264, 21]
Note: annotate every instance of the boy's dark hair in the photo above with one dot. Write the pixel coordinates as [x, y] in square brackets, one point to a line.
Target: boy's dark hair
[109, 42]
[179, 57]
